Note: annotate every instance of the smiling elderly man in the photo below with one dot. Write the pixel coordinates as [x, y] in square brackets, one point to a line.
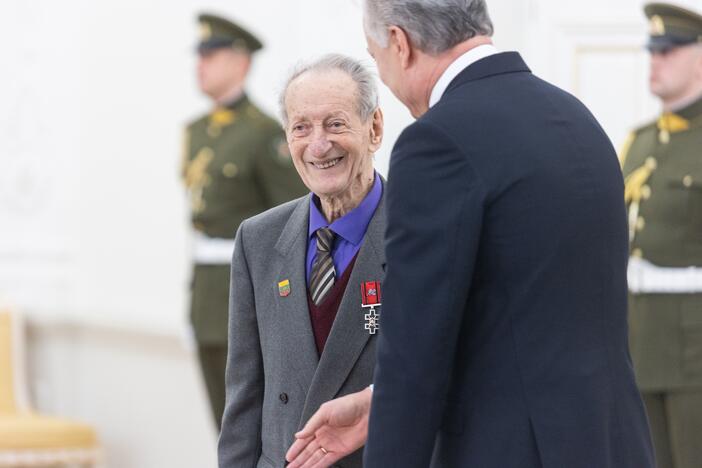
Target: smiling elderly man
[299, 335]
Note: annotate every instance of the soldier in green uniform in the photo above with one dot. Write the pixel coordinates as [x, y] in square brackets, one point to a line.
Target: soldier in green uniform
[662, 166]
[236, 164]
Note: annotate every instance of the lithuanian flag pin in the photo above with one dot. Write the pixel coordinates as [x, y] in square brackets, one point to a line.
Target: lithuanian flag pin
[284, 288]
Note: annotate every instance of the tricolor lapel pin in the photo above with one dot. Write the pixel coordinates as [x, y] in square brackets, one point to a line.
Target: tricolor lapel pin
[284, 288]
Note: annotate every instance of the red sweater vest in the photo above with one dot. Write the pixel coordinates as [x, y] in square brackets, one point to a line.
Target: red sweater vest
[322, 316]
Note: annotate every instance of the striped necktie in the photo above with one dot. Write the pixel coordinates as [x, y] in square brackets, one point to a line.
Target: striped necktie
[323, 273]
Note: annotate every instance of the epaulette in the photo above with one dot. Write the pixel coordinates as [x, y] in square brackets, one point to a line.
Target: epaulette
[631, 137]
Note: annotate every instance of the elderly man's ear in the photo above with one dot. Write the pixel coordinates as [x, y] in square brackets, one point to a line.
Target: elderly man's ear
[376, 130]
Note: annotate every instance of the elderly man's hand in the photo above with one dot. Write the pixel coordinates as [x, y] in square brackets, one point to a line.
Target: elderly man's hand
[337, 429]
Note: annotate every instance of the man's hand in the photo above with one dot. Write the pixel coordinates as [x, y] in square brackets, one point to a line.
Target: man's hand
[338, 428]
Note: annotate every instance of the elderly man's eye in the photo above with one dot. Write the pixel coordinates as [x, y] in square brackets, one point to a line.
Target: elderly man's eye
[337, 125]
[299, 128]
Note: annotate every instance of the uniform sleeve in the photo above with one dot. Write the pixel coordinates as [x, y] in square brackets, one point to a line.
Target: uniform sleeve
[240, 438]
[275, 172]
[626, 146]
[431, 243]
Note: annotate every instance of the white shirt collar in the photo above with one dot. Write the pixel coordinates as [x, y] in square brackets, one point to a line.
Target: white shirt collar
[458, 65]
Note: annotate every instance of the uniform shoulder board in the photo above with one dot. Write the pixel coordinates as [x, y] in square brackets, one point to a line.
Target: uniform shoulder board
[631, 137]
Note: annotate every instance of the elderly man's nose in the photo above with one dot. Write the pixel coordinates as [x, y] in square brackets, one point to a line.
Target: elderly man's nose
[320, 146]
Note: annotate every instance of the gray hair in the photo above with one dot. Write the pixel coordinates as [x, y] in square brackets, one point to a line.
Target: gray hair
[366, 93]
[433, 26]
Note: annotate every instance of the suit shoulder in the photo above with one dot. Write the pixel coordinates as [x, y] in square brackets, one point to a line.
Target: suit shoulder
[273, 219]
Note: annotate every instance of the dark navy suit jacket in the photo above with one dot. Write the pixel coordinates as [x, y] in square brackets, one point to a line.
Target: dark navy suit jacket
[503, 339]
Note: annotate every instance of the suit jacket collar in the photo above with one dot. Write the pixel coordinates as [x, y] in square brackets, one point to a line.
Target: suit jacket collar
[456, 67]
[497, 64]
[300, 346]
[321, 378]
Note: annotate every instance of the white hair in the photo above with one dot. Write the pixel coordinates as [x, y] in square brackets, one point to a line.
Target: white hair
[366, 92]
[433, 26]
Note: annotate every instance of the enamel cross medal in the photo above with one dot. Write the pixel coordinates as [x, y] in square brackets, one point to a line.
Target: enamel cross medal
[370, 299]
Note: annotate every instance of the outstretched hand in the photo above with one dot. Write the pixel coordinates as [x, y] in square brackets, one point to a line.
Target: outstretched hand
[337, 429]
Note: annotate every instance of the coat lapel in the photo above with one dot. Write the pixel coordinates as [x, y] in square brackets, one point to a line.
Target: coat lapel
[299, 347]
[348, 335]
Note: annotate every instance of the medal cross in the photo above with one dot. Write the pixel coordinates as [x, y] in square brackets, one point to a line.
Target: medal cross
[372, 321]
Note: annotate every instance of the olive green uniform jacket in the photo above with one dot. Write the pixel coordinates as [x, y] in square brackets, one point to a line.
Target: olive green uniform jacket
[662, 167]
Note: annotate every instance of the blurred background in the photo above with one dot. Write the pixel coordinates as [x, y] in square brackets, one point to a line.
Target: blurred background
[94, 233]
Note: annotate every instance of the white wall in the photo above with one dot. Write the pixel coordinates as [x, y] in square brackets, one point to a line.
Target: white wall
[141, 391]
[93, 221]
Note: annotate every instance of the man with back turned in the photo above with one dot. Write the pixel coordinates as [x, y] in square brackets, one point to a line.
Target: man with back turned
[503, 336]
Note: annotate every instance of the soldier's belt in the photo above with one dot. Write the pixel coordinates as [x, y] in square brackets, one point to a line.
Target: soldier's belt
[645, 277]
[212, 250]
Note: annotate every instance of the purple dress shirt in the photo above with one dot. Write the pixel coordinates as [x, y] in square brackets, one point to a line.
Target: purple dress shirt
[350, 229]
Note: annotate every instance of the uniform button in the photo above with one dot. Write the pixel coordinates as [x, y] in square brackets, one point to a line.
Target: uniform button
[638, 253]
[687, 181]
[645, 192]
[284, 398]
[640, 223]
[651, 163]
[664, 137]
[230, 170]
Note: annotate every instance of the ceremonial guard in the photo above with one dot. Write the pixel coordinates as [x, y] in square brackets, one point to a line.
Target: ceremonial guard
[236, 164]
[662, 165]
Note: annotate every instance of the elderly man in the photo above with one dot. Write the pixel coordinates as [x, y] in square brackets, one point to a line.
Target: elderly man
[663, 170]
[302, 272]
[504, 339]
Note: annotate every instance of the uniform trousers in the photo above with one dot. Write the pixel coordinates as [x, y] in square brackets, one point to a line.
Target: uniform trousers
[213, 360]
[209, 316]
[676, 426]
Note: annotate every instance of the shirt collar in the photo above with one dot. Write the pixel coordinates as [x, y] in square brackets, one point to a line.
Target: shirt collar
[352, 226]
[456, 67]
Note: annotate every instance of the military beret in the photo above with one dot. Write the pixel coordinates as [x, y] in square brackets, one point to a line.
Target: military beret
[217, 32]
[672, 26]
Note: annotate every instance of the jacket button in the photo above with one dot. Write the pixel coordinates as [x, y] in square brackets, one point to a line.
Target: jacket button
[284, 398]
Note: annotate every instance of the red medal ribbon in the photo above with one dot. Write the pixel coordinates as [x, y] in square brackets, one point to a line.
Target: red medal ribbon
[370, 293]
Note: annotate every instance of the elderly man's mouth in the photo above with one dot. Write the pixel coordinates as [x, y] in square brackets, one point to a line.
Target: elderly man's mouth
[328, 164]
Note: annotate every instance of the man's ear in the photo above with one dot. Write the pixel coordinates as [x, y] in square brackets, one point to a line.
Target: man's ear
[401, 45]
[376, 130]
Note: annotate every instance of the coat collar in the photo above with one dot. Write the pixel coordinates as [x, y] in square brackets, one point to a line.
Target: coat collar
[497, 64]
[293, 312]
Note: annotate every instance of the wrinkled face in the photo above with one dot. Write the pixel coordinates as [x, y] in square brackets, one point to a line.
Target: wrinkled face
[674, 73]
[219, 70]
[331, 146]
